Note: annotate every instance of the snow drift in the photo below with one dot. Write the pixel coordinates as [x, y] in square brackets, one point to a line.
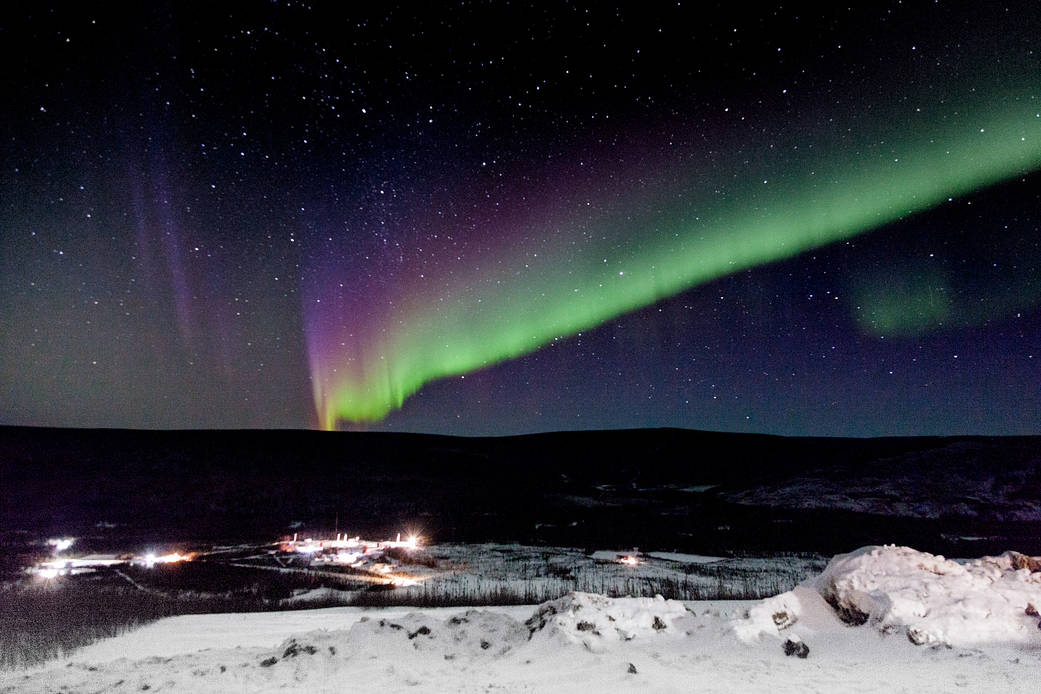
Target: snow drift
[928, 598]
[937, 600]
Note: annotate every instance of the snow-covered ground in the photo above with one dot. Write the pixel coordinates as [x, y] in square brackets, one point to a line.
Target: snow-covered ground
[927, 624]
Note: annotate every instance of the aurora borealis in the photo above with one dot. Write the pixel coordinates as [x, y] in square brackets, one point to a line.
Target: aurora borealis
[492, 219]
[505, 313]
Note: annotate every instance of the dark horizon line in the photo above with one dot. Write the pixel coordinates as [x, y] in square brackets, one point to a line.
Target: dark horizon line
[548, 432]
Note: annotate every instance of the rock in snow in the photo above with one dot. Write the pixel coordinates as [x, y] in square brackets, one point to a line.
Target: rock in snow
[796, 648]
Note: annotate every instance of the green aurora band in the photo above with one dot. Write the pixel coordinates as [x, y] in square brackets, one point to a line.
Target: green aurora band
[692, 227]
[914, 299]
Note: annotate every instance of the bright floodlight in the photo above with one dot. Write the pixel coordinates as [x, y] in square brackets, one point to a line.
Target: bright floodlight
[151, 559]
[61, 544]
[309, 546]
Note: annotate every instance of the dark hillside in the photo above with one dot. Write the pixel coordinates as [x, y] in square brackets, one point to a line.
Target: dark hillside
[631, 486]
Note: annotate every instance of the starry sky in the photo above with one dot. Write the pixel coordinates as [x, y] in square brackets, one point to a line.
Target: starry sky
[494, 218]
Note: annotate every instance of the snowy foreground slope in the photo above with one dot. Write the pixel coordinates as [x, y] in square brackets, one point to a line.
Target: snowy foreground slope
[881, 619]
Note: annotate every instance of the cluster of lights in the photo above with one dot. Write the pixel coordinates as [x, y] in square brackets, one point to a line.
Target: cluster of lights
[354, 551]
[312, 546]
[65, 565]
[61, 566]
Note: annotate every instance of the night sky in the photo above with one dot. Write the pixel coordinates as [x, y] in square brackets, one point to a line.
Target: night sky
[495, 218]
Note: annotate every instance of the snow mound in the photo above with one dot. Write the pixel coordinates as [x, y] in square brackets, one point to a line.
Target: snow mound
[934, 600]
[798, 612]
[596, 621]
[482, 632]
[473, 633]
